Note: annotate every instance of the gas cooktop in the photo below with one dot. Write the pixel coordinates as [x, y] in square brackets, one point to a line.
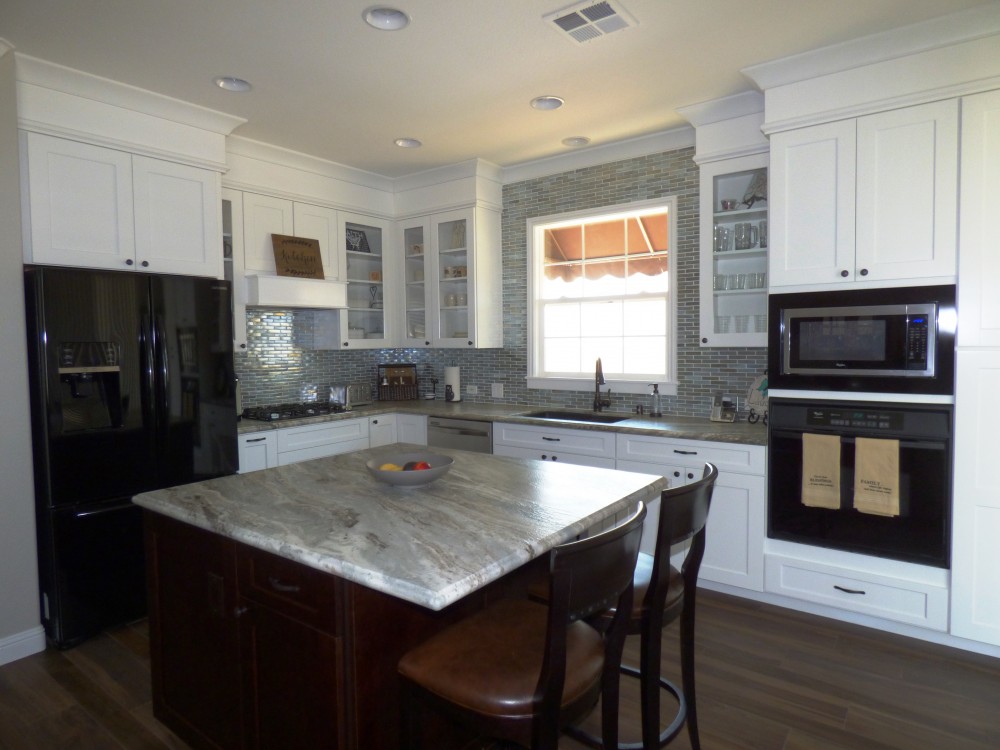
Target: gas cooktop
[276, 412]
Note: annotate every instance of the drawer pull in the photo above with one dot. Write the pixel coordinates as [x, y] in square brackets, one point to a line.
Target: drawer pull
[849, 591]
[551, 439]
[686, 453]
[288, 588]
[256, 440]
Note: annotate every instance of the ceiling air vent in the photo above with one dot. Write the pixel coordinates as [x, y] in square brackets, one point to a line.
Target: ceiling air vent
[590, 20]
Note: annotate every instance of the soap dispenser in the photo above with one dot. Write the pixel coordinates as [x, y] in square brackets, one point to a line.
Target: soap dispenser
[656, 408]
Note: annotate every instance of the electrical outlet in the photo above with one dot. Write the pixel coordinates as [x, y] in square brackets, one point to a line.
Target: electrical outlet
[472, 390]
[496, 390]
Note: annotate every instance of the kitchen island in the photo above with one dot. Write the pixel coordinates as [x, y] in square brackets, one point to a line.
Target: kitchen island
[281, 600]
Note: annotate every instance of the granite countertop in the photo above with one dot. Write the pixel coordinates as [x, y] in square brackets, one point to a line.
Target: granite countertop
[430, 545]
[685, 428]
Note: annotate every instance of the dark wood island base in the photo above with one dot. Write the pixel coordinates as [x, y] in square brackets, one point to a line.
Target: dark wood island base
[252, 650]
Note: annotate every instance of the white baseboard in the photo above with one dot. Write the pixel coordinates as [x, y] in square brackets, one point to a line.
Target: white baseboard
[22, 644]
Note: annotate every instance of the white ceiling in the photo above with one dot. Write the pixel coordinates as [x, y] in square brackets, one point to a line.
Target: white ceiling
[459, 77]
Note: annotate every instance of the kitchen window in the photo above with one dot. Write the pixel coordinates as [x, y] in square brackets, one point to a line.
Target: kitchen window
[599, 286]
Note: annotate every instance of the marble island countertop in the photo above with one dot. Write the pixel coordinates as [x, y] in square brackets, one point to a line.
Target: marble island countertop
[670, 426]
[430, 545]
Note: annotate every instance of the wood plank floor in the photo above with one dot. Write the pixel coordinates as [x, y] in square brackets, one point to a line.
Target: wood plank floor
[768, 678]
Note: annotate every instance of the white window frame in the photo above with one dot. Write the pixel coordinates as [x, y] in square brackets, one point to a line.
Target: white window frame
[534, 259]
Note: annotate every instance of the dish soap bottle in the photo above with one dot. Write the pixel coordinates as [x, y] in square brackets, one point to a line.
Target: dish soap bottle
[656, 408]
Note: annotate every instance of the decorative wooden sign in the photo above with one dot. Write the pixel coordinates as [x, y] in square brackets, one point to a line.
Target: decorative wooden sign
[297, 256]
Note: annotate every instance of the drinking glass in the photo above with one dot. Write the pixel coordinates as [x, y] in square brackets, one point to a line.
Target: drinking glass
[722, 323]
[742, 323]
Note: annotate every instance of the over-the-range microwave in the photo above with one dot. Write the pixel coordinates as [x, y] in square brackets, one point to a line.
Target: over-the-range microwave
[888, 340]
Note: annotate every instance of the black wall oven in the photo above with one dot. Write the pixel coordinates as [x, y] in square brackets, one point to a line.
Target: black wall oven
[823, 466]
[895, 340]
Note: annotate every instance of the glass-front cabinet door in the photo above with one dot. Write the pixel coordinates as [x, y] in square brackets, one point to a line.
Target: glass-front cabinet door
[733, 252]
[453, 235]
[418, 283]
[364, 322]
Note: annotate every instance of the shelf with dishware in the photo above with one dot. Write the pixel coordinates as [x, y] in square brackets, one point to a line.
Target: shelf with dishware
[733, 252]
[363, 324]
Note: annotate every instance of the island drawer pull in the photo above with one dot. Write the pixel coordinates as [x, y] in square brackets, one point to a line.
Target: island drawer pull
[849, 591]
[686, 453]
[288, 588]
[256, 440]
[551, 439]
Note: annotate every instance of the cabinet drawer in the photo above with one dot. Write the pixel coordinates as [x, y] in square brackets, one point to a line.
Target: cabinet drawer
[745, 459]
[326, 433]
[300, 592]
[903, 600]
[554, 454]
[579, 442]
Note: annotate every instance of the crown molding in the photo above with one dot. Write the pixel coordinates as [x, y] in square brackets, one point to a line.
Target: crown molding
[928, 35]
[593, 156]
[48, 75]
[726, 108]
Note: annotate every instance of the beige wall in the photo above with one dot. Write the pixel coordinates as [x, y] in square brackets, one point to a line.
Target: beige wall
[19, 619]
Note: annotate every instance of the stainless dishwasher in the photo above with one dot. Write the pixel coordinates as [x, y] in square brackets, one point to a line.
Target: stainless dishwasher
[463, 434]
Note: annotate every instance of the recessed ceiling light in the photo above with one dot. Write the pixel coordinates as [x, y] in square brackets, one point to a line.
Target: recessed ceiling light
[408, 143]
[232, 84]
[547, 102]
[576, 141]
[385, 19]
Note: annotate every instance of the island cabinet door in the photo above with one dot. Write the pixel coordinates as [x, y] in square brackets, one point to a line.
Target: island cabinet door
[194, 652]
[292, 654]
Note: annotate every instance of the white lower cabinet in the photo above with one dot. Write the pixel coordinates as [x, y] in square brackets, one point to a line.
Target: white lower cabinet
[258, 450]
[737, 520]
[382, 430]
[891, 590]
[569, 446]
[411, 428]
[324, 439]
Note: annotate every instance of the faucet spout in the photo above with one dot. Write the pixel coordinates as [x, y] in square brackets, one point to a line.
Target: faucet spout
[599, 401]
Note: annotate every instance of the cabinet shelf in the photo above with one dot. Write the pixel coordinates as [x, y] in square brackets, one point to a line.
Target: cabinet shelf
[754, 252]
[723, 217]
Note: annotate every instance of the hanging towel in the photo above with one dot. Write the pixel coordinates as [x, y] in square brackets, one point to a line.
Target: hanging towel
[876, 476]
[821, 471]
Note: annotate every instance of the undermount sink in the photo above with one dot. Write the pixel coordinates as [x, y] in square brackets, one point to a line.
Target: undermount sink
[575, 416]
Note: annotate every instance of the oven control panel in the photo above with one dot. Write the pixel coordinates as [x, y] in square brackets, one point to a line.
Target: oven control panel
[857, 419]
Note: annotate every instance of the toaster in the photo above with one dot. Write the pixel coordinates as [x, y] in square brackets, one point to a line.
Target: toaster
[349, 395]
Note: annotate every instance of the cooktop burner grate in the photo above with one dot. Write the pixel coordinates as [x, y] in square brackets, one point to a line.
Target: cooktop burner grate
[274, 412]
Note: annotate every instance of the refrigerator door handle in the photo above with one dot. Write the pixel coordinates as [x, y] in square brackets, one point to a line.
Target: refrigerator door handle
[163, 362]
[109, 509]
[146, 378]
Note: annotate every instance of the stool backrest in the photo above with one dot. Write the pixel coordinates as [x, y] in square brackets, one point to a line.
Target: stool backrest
[586, 577]
[683, 513]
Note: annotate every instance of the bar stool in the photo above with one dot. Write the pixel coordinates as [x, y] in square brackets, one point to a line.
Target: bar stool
[519, 670]
[662, 594]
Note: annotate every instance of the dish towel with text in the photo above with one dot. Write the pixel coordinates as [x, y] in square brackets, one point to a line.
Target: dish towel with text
[876, 476]
[821, 471]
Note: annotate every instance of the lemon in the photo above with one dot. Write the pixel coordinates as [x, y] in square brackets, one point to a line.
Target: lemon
[390, 467]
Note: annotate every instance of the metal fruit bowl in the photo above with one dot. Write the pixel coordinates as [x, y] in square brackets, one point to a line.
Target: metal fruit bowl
[415, 477]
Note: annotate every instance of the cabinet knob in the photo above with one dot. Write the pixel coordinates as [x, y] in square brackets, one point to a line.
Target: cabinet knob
[864, 271]
[427, 343]
[470, 343]
[704, 341]
[243, 346]
[145, 264]
[690, 475]
[128, 262]
[240, 611]
[845, 273]
[347, 343]
[677, 473]
[545, 457]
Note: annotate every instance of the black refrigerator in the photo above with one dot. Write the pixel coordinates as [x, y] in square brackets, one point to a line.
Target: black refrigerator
[132, 389]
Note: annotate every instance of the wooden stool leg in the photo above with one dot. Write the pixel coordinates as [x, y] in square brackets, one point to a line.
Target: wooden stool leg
[650, 651]
[687, 668]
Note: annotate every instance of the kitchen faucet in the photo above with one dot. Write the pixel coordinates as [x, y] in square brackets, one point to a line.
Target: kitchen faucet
[599, 402]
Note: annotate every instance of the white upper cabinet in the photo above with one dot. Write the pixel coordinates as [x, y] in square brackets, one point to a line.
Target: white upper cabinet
[96, 207]
[867, 201]
[734, 241]
[979, 259]
[320, 223]
[264, 215]
[452, 279]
